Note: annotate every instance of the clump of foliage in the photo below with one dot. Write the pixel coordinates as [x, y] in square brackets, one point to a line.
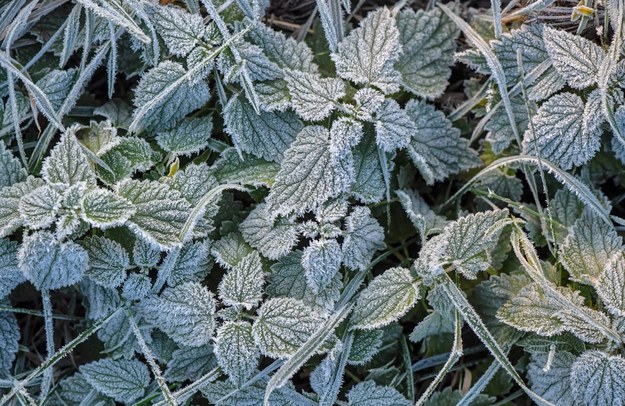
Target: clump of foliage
[196, 207]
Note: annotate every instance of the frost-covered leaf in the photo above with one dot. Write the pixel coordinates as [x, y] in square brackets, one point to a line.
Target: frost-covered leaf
[321, 260]
[598, 379]
[67, 164]
[365, 346]
[285, 52]
[130, 154]
[312, 96]
[180, 30]
[436, 147]
[250, 170]
[345, 133]
[56, 85]
[588, 248]
[10, 275]
[243, 284]
[108, 261]
[308, 176]
[283, 325]
[368, 53]
[190, 363]
[230, 250]
[388, 297]
[369, 101]
[393, 127]
[558, 133]
[368, 393]
[124, 380]
[610, 285]
[102, 208]
[225, 393]
[288, 279]
[189, 263]
[101, 137]
[39, 208]
[136, 287]
[273, 239]
[194, 181]
[500, 133]
[11, 170]
[236, 351]
[48, 264]
[470, 240]
[9, 340]
[576, 59]
[428, 40]
[168, 95]
[188, 137]
[273, 95]
[553, 383]
[100, 301]
[144, 254]
[363, 236]
[184, 313]
[419, 213]
[160, 213]
[266, 135]
[369, 185]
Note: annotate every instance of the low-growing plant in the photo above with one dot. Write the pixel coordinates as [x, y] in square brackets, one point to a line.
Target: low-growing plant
[196, 207]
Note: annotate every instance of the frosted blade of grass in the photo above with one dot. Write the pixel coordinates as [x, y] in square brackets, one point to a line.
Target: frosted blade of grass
[306, 351]
[493, 63]
[113, 11]
[477, 325]
[328, 398]
[454, 356]
[480, 385]
[495, 5]
[332, 28]
[405, 352]
[40, 97]
[567, 180]
[535, 6]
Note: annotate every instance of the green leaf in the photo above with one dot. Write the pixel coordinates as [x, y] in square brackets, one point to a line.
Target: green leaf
[236, 351]
[610, 285]
[307, 177]
[388, 297]
[48, 264]
[10, 275]
[108, 261]
[575, 58]
[246, 170]
[124, 380]
[56, 85]
[194, 181]
[366, 345]
[102, 208]
[266, 135]
[368, 393]
[180, 30]
[160, 213]
[128, 155]
[369, 185]
[428, 40]
[470, 240]
[39, 208]
[67, 164]
[9, 340]
[312, 96]
[558, 134]
[421, 216]
[230, 250]
[165, 95]
[436, 147]
[588, 248]
[551, 378]
[598, 379]
[190, 363]
[273, 239]
[184, 313]
[283, 326]
[363, 237]
[243, 284]
[393, 127]
[368, 53]
[11, 170]
[188, 137]
[321, 260]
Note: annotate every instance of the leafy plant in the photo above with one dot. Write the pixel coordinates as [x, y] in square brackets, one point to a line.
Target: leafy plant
[200, 208]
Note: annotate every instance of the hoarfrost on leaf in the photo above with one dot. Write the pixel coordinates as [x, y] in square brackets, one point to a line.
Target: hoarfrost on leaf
[273, 239]
[108, 261]
[123, 379]
[184, 313]
[10, 275]
[368, 53]
[9, 340]
[312, 96]
[243, 284]
[363, 236]
[598, 379]
[180, 30]
[559, 134]
[67, 164]
[388, 297]
[368, 393]
[283, 325]
[321, 260]
[48, 264]
[236, 351]
[103, 208]
[188, 137]
[393, 127]
[39, 208]
[554, 384]
[11, 170]
[610, 285]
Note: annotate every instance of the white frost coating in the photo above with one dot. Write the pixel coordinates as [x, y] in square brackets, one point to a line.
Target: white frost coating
[242, 285]
[124, 379]
[598, 379]
[273, 239]
[189, 137]
[363, 236]
[312, 96]
[321, 260]
[236, 351]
